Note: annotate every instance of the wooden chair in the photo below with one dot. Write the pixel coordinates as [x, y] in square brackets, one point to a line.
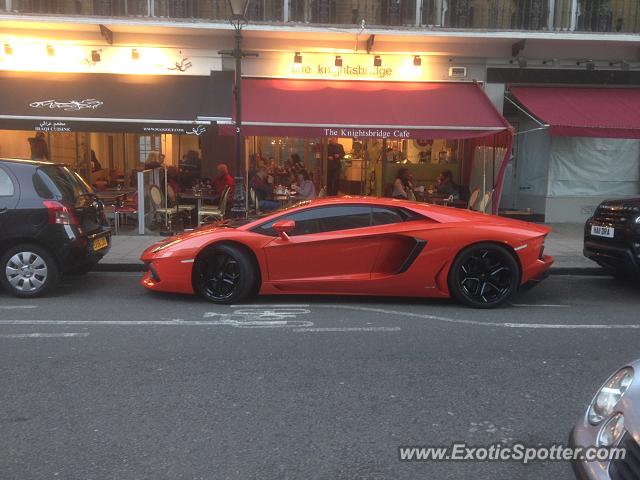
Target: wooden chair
[486, 200]
[219, 212]
[473, 199]
[255, 203]
[323, 192]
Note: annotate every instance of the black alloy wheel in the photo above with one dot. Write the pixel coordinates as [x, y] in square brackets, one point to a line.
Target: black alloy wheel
[484, 276]
[224, 274]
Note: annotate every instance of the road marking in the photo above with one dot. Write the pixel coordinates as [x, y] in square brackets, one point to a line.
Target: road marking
[485, 324]
[16, 307]
[273, 305]
[43, 335]
[538, 305]
[349, 329]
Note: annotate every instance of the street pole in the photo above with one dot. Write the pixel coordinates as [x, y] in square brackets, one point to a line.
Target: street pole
[238, 208]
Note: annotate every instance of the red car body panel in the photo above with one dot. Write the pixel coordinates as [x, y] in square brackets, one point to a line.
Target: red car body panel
[359, 261]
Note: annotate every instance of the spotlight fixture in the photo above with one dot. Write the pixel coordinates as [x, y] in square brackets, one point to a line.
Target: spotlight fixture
[50, 50]
[297, 58]
[377, 61]
[135, 54]
[589, 64]
[417, 61]
[550, 61]
[8, 49]
[624, 65]
[95, 56]
[338, 62]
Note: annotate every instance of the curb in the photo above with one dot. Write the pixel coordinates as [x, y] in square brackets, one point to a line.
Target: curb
[139, 267]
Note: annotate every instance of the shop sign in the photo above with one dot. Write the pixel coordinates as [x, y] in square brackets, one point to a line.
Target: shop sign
[367, 133]
[346, 71]
[69, 106]
[52, 127]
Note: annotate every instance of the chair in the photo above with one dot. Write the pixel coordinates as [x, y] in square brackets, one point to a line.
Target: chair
[156, 197]
[323, 192]
[217, 212]
[486, 200]
[255, 202]
[473, 198]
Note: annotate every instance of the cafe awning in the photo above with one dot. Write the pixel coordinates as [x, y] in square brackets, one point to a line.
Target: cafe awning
[377, 109]
[584, 111]
[88, 102]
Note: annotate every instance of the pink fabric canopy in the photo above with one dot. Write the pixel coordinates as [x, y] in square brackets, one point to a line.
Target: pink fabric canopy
[376, 109]
[584, 112]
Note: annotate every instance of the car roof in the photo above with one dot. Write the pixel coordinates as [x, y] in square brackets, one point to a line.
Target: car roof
[27, 161]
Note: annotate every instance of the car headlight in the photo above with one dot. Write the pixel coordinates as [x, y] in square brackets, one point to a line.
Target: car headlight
[162, 246]
[609, 395]
[611, 431]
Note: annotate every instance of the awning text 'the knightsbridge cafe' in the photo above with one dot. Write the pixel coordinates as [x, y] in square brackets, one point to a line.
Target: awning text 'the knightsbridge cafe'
[366, 133]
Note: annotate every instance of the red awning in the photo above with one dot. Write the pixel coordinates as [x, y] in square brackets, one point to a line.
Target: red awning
[584, 112]
[351, 108]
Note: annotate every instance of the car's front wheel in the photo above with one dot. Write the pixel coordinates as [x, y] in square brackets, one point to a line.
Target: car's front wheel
[484, 276]
[28, 271]
[224, 274]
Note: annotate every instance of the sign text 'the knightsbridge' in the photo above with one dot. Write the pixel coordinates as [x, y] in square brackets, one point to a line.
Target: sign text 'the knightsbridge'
[346, 71]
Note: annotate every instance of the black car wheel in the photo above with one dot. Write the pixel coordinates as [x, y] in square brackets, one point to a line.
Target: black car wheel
[225, 274]
[28, 271]
[484, 276]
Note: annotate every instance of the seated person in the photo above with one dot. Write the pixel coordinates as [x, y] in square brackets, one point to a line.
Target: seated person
[402, 185]
[222, 181]
[263, 190]
[446, 186]
[304, 186]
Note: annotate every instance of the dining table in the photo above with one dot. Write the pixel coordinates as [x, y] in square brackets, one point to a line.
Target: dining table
[198, 197]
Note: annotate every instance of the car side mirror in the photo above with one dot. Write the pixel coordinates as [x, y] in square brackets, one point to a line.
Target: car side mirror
[283, 227]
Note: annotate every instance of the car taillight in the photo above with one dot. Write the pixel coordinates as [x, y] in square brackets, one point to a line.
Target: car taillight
[59, 214]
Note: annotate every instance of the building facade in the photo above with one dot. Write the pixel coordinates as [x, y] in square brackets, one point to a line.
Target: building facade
[157, 66]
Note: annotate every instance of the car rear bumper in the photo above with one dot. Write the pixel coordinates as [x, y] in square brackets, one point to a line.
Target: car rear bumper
[80, 252]
[537, 271]
[620, 258]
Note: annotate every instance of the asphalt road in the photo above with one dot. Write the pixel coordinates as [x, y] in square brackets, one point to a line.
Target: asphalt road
[103, 380]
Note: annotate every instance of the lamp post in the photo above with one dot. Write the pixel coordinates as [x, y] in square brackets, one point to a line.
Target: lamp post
[238, 20]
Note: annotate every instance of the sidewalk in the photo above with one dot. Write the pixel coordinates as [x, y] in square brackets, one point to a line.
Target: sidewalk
[564, 243]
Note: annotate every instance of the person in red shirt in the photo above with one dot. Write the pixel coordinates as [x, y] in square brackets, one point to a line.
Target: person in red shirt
[222, 181]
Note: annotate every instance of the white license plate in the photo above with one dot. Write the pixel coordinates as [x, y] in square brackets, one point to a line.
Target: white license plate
[599, 231]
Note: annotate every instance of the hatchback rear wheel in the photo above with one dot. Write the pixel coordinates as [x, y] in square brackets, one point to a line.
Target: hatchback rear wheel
[28, 271]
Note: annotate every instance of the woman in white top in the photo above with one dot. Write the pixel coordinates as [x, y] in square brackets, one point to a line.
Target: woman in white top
[402, 187]
[304, 186]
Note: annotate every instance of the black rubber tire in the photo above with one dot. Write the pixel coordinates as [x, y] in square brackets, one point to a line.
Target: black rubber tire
[508, 280]
[239, 263]
[52, 276]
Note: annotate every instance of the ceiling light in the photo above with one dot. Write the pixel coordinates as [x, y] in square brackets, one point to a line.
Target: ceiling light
[51, 51]
[297, 58]
[417, 61]
[338, 62]
[95, 56]
[8, 49]
[135, 54]
[377, 61]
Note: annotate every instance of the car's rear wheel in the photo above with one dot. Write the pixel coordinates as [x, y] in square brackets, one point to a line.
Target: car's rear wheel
[225, 274]
[28, 271]
[484, 276]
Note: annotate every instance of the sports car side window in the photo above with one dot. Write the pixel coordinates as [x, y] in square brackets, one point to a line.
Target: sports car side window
[323, 219]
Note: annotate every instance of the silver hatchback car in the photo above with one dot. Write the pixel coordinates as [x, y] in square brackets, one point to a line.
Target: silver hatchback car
[612, 420]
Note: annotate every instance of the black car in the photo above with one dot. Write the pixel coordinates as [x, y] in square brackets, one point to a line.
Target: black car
[50, 223]
[612, 237]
